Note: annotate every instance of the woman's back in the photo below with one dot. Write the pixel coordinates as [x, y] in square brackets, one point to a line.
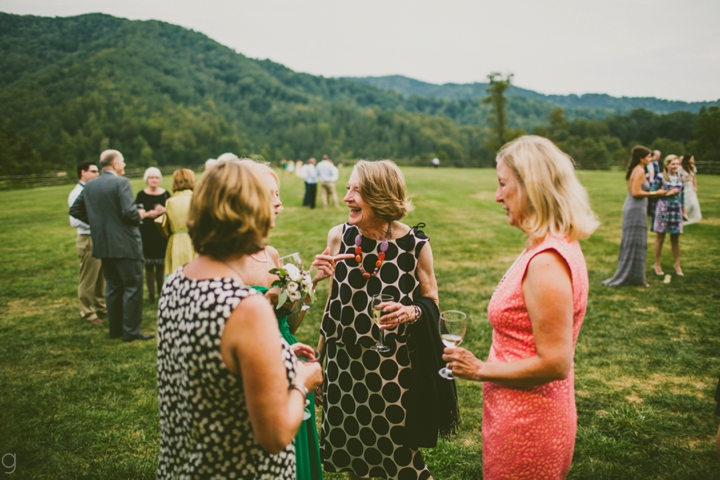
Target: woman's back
[205, 428]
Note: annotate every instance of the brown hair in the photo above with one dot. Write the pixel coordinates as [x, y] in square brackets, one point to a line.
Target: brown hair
[686, 163]
[382, 187]
[230, 213]
[553, 200]
[638, 153]
[183, 179]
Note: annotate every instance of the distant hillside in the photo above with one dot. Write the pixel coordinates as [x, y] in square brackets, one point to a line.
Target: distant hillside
[598, 101]
[164, 95]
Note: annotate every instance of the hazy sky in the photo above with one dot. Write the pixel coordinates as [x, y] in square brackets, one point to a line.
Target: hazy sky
[661, 48]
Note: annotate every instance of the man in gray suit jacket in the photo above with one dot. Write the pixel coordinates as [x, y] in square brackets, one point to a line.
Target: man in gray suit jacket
[108, 205]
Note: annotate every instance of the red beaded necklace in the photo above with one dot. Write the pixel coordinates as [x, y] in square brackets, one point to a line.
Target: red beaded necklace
[359, 256]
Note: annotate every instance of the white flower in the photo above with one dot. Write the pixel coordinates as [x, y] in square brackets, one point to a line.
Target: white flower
[306, 280]
[292, 271]
[294, 296]
[291, 287]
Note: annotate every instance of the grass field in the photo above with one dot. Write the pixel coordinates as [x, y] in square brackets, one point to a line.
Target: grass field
[74, 404]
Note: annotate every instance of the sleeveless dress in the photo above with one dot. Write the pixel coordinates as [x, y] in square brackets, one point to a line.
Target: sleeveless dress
[363, 427]
[205, 429]
[692, 205]
[668, 213]
[529, 433]
[307, 453]
[633, 246]
[179, 248]
[154, 244]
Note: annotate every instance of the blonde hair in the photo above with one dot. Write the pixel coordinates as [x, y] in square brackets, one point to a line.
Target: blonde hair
[552, 198]
[231, 211]
[666, 162]
[262, 168]
[382, 187]
[152, 172]
[183, 179]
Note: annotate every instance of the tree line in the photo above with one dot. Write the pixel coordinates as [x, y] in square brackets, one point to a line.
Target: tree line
[164, 95]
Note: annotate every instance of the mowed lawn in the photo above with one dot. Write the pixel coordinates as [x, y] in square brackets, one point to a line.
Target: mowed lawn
[74, 404]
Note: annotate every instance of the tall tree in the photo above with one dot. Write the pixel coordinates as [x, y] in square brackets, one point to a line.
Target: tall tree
[496, 98]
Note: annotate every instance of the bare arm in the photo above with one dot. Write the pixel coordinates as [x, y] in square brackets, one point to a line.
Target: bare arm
[547, 289]
[637, 177]
[250, 346]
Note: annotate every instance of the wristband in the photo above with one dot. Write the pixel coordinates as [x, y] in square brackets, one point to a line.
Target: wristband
[300, 388]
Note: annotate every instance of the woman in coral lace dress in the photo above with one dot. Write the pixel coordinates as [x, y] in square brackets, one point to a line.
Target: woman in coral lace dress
[529, 415]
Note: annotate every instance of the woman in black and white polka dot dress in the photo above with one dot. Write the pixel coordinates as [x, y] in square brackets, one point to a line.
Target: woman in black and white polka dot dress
[230, 390]
[364, 406]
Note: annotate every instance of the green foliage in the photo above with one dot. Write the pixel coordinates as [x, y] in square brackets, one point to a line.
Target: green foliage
[163, 95]
[498, 117]
[590, 106]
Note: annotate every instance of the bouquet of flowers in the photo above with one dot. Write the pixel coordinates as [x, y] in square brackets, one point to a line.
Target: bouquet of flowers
[294, 284]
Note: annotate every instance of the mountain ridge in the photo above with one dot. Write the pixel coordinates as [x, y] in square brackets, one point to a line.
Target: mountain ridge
[464, 91]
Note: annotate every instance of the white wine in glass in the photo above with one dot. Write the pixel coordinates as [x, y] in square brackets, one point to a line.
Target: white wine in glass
[376, 312]
[293, 258]
[453, 325]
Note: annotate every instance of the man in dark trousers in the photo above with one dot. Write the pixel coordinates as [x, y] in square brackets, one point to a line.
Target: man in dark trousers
[108, 205]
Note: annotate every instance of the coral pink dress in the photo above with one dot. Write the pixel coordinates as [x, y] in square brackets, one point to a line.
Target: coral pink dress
[529, 433]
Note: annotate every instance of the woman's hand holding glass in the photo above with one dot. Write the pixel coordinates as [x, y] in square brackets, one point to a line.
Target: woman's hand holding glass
[395, 314]
[462, 363]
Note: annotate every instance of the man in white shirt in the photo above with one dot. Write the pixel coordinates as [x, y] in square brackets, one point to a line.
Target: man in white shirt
[327, 176]
[91, 287]
[310, 175]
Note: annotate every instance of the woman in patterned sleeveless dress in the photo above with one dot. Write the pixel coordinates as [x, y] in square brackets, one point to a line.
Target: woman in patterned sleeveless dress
[529, 415]
[228, 409]
[364, 407]
[669, 212]
[256, 274]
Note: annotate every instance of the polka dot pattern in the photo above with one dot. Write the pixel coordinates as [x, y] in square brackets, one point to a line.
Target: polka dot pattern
[364, 415]
[530, 433]
[205, 429]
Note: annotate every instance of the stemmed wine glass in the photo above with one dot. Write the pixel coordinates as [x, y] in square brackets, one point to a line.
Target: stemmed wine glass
[376, 304]
[453, 325]
[293, 258]
[307, 412]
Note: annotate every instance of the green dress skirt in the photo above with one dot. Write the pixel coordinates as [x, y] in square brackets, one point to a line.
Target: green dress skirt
[307, 452]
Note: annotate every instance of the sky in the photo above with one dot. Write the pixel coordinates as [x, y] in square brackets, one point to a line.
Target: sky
[639, 48]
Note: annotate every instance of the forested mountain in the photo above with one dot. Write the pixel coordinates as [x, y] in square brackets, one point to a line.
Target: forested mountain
[575, 105]
[164, 95]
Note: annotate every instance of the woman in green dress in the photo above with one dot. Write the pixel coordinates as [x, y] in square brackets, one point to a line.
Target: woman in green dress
[256, 274]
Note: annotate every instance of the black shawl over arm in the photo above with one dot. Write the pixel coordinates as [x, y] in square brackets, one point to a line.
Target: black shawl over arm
[432, 408]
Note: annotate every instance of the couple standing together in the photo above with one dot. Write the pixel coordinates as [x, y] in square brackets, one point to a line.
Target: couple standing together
[227, 406]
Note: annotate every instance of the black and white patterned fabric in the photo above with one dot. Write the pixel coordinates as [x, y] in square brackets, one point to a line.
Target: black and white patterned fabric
[205, 429]
[363, 427]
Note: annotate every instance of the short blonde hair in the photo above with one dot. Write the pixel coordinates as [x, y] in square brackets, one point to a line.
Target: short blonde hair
[262, 168]
[382, 187]
[666, 162]
[553, 200]
[230, 213]
[152, 172]
[183, 179]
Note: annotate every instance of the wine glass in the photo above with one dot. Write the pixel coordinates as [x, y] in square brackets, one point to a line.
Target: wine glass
[307, 412]
[293, 258]
[376, 312]
[453, 325]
